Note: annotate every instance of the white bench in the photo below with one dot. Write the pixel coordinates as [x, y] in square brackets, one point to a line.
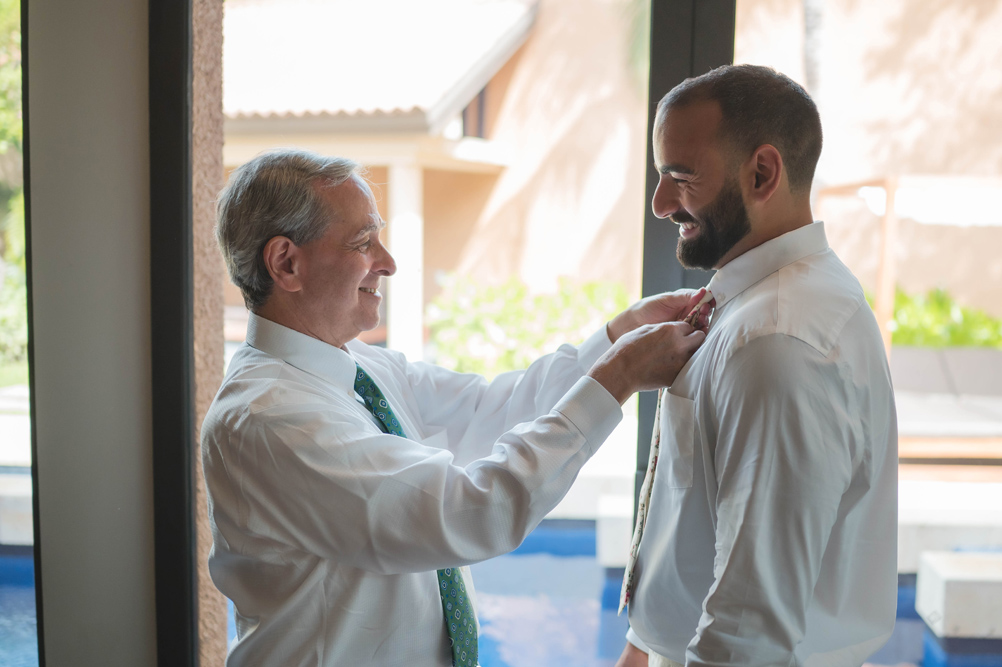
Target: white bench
[959, 595]
[16, 527]
[944, 516]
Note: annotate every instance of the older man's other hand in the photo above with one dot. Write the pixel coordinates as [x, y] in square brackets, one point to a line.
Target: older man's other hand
[667, 307]
[648, 357]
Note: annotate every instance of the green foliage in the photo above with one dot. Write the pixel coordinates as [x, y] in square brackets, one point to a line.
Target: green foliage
[13, 315]
[489, 330]
[10, 75]
[13, 290]
[638, 41]
[936, 320]
[13, 304]
[12, 232]
[16, 373]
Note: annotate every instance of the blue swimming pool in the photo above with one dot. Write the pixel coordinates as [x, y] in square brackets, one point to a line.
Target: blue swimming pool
[18, 638]
[547, 603]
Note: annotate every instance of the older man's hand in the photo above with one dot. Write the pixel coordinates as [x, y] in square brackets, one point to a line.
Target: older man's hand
[648, 357]
[667, 307]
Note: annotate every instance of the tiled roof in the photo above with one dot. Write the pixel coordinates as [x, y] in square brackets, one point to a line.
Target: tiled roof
[417, 60]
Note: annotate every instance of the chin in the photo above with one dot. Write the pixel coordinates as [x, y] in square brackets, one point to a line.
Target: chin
[369, 323]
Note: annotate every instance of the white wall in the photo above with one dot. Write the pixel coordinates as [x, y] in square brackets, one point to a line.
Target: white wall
[89, 171]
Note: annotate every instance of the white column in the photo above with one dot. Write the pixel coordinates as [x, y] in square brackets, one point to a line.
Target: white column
[405, 233]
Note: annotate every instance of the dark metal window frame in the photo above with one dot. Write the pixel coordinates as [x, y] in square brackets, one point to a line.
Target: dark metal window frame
[172, 289]
[35, 511]
[171, 283]
[688, 38]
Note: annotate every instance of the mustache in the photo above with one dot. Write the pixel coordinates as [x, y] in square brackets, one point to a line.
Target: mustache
[681, 216]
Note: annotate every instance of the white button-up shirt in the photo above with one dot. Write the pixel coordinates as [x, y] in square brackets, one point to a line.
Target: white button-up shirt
[771, 537]
[327, 532]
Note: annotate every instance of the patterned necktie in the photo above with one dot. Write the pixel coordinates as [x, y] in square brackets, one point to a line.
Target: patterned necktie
[694, 318]
[460, 620]
[642, 507]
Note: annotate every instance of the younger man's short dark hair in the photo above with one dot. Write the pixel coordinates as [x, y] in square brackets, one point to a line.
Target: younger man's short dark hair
[759, 106]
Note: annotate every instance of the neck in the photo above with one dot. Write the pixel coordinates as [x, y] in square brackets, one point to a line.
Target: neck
[770, 225]
[289, 315]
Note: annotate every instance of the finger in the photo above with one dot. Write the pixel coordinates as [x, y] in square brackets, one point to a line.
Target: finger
[668, 305]
[703, 321]
[692, 342]
[684, 327]
[693, 300]
[694, 315]
[697, 336]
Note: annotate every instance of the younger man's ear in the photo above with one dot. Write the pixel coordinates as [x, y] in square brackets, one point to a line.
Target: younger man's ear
[281, 258]
[767, 170]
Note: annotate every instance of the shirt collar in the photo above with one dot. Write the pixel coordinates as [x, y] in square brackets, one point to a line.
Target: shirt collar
[744, 271]
[304, 352]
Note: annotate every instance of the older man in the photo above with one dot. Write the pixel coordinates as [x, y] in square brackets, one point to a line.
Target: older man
[347, 486]
[770, 533]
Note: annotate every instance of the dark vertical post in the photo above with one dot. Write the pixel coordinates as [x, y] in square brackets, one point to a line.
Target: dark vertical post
[688, 38]
[171, 276]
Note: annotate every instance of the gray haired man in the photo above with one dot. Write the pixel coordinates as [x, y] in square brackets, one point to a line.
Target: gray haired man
[348, 486]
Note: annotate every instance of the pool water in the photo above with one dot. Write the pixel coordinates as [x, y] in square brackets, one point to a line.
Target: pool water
[18, 637]
[547, 603]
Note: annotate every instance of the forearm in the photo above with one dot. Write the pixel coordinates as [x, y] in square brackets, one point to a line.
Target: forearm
[332, 485]
[475, 412]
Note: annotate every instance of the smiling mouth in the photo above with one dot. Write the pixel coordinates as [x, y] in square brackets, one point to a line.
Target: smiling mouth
[370, 290]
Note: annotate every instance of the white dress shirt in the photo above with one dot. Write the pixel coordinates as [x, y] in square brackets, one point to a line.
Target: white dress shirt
[327, 532]
[771, 537]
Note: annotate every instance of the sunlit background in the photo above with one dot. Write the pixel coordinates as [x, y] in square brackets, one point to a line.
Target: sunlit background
[505, 141]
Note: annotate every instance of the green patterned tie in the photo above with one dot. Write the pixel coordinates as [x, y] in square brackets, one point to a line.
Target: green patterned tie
[460, 621]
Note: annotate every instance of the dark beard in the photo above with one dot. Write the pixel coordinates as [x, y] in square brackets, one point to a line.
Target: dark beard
[722, 223]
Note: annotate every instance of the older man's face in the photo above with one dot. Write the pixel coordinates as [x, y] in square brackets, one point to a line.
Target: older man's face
[698, 189]
[342, 268]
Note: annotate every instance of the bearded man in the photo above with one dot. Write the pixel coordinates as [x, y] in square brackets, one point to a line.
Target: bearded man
[767, 530]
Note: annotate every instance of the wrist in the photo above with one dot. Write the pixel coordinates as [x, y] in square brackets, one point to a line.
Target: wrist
[621, 324]
[609, 374]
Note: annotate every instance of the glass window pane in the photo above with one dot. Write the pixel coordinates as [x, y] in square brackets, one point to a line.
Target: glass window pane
[908, 185]
[18, 639]
[506, 144]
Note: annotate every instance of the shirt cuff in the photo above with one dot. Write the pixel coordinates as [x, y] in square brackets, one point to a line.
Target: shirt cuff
[592, 409]
[632, 637]
[593, 348]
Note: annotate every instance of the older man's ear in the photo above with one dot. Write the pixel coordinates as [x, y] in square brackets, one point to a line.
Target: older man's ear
[282, 258]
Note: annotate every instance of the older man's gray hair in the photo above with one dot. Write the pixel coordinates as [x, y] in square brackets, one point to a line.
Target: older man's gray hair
[277, 193]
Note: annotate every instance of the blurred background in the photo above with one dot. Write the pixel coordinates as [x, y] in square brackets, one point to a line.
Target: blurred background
[506, 143]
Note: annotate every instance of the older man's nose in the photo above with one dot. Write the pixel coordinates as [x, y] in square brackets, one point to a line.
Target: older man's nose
[385, 265]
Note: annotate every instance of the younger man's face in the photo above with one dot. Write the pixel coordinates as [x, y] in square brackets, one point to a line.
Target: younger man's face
[698, 188]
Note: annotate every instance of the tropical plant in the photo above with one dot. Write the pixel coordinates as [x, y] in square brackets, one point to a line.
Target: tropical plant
[13, 315]
[936, 320]
[486, 329]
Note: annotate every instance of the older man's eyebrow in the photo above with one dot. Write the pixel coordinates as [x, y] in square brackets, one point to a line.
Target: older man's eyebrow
[374, 226]
[675, 169]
